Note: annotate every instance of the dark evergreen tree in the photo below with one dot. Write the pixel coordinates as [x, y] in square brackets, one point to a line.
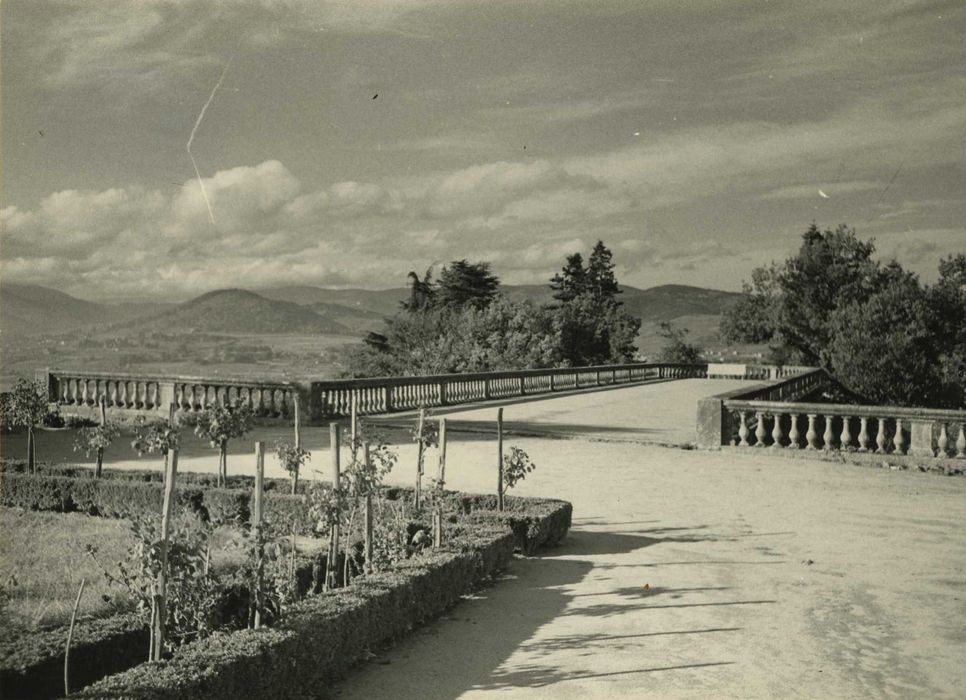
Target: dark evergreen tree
[571, 281]
[601, 282]
[462, 283]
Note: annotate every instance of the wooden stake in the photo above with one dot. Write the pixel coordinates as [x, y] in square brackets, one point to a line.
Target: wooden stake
[499, 459]
[441, 470]
[257, 528]
[368, 513]
[70, 634]
[103, 408]
[353, 425]
[419, 456]
[298, 444]
[171, 475]
[331, 564]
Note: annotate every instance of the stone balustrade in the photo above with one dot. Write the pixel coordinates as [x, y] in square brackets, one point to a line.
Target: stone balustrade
[158, 394]
[879, 429]
[389, 394]
[727, 370]
[321, 400]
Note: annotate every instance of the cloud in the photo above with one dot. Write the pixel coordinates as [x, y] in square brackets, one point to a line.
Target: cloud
[810, 190]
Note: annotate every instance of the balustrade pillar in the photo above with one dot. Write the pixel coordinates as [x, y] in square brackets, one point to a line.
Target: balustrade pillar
[961, 442]
[811, 437]
[942, 442]
[880, 438]
[776, 432]
[845, 439]
[793, 434]
[829, 437]
[898, 439]
[863, 434]
[743, 429]
[760, 430]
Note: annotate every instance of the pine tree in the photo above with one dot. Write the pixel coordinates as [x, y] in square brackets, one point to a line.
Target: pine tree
[601, 282]
[571, 281]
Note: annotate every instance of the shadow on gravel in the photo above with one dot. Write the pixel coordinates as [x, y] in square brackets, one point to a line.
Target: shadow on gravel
[465, 650]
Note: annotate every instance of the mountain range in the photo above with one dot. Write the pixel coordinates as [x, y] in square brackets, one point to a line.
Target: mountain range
[36, 310]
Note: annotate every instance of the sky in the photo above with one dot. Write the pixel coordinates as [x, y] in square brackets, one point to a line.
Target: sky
[348, 143]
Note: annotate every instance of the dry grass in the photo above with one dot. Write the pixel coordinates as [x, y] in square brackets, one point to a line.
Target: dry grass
[43, 558]
[42, 562]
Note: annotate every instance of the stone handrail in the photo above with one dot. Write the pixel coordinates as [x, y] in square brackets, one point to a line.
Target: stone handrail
[158, 394]
[321, 400]
[389, 394]
[881, 429]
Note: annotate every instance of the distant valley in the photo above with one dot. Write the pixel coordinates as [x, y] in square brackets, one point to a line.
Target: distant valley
[278, 331]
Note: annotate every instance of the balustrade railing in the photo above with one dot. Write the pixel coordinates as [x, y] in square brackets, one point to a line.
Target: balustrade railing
[159, 394]
[389, 394]
[877, 429]
[328, 399]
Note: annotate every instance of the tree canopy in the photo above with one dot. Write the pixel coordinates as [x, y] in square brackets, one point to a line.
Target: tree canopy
[463, 324]
[875, 326]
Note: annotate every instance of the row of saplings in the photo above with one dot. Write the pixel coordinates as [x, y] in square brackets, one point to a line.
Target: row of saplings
[169, 570]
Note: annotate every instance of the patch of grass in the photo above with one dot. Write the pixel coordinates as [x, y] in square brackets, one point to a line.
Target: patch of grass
[43, 558]
[42, 562]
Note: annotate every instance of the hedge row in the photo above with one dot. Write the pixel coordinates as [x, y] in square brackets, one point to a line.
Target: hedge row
[116, 498]
[32, 664]
[196, 479]
[324, 636]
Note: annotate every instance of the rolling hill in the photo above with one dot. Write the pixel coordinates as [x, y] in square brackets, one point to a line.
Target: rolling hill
[29, 309]
[240, 311]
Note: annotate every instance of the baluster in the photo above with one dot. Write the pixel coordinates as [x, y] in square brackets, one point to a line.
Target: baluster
[880, 437]
[961, 441]
[154, 394]
[84, 392]
[863, 434]
[793, 434]
[743, 429]
[829, 437]
[760, 430]
[776, 432]
[943, 441]
[898, 439]
[846, 436]
[282, 407]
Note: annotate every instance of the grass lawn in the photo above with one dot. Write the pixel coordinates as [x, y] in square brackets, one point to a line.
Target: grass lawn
[42, 562]
[43, 558]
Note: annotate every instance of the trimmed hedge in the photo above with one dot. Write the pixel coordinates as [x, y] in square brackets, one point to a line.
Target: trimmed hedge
[114, 498]
[32, 664]
[321, 638]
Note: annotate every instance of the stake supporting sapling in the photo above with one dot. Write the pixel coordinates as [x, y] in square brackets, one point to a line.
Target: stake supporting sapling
[331, 564]
[70, 635]
[367, 552]
[420, 450]
[257, 530]
[499, 459]
[171, 473]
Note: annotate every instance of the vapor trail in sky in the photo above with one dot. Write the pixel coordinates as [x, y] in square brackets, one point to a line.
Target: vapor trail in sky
[191, 138]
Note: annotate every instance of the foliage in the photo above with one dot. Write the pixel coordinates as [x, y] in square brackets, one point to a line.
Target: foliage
[95, 439]
[192, 592]
[875, 327]
[516, 466]
[601, 281]
[589, 332]
[157, 436]
[677, 348]
[218, 424]
[26, 405]
[292, 458]
[464, 284]
[571, 281]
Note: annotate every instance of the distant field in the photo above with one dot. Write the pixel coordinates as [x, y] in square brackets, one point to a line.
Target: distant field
[243, 356]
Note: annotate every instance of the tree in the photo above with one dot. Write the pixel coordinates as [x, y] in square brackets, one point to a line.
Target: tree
[462, 283]
[218, 425]
[601, 281]
[873, 326]
[677, 348]
[26, 407]
[571, 281]
[591, 333]
[95, 439]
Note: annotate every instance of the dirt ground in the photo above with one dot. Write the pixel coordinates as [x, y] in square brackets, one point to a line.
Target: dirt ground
[687, 573]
